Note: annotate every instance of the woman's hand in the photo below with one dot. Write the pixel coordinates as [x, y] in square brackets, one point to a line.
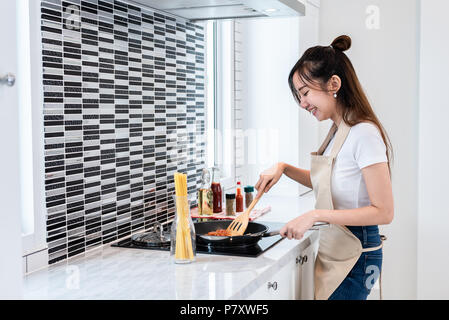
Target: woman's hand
[269, 178]
[296, 228]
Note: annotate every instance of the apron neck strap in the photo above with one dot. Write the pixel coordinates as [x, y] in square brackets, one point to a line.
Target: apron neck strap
[328, 139]
[340, 138]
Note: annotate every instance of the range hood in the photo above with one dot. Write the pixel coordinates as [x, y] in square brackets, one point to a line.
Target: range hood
[195, 10]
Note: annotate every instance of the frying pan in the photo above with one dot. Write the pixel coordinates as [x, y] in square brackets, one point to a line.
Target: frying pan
[254, 232]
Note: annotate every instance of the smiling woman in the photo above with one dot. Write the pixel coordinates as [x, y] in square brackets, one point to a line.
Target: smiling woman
[324, 71]
[350, 174]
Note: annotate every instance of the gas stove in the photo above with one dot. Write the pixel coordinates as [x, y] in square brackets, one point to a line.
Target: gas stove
[251, 251]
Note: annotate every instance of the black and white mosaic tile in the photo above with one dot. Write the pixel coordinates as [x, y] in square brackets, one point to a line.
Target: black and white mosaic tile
[123, 111]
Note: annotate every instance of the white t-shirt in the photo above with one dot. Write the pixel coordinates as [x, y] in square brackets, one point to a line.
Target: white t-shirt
[362, 148]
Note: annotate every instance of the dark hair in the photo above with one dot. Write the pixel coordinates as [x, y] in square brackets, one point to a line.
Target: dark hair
[318, 64]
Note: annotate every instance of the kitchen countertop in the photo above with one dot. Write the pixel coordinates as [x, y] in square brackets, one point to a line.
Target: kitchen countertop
[120, 273]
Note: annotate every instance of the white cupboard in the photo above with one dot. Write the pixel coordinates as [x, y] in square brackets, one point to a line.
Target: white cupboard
[294, 281]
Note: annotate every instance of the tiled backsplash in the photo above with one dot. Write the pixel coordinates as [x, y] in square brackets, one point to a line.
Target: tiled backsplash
[123, 110]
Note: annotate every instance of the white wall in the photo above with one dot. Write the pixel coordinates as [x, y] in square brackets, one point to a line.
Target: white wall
[308, 125]
[386, 61]
[10, 228]
[277, 129]
[433, 212]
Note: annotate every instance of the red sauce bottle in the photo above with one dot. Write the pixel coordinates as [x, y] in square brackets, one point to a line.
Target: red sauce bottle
[216, 191]
[239, 198]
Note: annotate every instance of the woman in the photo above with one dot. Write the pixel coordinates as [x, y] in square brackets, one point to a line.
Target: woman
[350, 174]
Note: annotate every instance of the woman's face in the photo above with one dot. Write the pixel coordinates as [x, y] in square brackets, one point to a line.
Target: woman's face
[319, 103]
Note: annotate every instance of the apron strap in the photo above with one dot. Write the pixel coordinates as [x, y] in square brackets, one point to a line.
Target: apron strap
[382, 239]
[328, 139]
[340, 138]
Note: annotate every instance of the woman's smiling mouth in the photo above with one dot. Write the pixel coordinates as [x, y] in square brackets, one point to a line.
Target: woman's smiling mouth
[312, 110]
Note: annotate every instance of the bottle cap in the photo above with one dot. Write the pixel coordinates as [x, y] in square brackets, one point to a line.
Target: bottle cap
[230, 195]
[249, 189]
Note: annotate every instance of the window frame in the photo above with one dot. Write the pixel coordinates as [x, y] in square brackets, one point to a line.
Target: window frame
[36, 241]
[223, 101]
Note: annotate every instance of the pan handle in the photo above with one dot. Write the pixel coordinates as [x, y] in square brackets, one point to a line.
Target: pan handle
[319, 225]
[316, 226]
[271, 233]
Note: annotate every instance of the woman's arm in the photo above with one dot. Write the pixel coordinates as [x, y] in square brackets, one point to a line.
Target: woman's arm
[271, 176]
[380, 212]
[299, 175]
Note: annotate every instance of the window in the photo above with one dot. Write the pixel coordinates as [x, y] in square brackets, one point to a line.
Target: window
[220, 99]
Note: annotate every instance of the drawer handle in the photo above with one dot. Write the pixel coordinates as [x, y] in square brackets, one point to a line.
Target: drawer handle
[301, 259]
[273, 285]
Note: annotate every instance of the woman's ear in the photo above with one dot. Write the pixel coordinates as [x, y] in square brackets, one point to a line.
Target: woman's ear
[334, 84]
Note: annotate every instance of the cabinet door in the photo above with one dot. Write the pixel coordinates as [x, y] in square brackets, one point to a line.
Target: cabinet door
[281, 286]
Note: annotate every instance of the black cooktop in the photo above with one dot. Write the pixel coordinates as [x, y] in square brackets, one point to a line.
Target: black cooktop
[245, 251]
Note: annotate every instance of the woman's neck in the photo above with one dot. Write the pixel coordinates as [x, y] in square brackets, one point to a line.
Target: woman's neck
[336, 118]
[338, 114]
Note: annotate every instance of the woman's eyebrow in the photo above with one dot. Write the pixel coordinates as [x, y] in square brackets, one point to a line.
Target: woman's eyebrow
[301, 88]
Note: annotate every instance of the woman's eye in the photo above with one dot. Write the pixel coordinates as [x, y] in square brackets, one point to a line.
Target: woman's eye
[305, 94]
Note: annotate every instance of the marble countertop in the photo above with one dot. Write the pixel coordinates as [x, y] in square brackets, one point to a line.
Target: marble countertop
[120, 273]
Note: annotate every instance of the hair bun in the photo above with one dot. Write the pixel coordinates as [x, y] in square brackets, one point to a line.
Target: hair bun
[342, 43]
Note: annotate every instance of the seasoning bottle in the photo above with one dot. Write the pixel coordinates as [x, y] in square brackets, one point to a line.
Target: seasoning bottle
[239, 198]
[205, 195]
[216, 191]
[230, 203]
[249, 195]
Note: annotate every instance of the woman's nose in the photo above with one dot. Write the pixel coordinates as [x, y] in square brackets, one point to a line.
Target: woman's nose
[304, 104]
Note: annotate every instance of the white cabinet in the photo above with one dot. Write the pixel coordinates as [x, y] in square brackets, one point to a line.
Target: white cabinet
[294, 280]
[281, 286]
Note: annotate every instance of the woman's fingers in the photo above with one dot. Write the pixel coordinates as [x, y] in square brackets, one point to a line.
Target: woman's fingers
[268, 178]
[286, 232]
[258, 183]
[283, 231]
[270, 185]
[289, 232]
[262, 184]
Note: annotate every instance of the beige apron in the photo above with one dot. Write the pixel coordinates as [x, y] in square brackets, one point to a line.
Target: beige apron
[339, 248]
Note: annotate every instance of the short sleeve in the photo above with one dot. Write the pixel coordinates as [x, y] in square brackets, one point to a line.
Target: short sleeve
[369, 147]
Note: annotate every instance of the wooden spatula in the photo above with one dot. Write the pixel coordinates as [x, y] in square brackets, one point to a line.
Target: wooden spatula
[239, 225]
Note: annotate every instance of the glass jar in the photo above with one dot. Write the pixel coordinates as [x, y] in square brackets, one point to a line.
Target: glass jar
[230, 204]
[182, 236]
[249, 195]
[205, 195]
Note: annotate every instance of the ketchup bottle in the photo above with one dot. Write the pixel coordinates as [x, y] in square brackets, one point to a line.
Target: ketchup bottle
[239, 198]
[216, 191]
